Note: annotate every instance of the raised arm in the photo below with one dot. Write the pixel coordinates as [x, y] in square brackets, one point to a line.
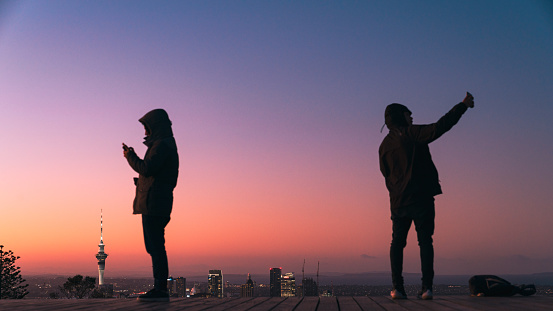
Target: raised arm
[431, 132]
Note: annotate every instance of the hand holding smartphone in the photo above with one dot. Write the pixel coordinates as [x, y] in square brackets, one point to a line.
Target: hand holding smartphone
[126, 150]
[469, 100]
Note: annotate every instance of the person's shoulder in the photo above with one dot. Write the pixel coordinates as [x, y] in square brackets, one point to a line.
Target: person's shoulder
[168, 142]
[391, 140]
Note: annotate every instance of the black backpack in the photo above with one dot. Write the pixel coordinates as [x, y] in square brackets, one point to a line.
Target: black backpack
[491, 285]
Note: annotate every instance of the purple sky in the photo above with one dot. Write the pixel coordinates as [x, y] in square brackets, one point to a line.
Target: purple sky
[277, 108]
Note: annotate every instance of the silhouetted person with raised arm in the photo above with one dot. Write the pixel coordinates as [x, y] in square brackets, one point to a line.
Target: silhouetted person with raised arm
[412, 180]
[157, 177]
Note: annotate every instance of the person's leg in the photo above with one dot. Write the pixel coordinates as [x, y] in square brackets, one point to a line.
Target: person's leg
[154, 240]
[400, 229]
[424, 225]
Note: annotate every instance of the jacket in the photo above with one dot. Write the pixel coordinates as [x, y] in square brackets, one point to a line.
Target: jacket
[158, 172]
[405, 160]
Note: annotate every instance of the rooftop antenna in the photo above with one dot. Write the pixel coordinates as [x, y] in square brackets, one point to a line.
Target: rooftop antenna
[101, 226]
[317, 273]
[302, 271]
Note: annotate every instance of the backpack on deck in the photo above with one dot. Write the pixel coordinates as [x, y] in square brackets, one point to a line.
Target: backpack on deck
[491, 285]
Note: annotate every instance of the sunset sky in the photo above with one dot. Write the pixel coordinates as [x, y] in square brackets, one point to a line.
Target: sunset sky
[277, 108]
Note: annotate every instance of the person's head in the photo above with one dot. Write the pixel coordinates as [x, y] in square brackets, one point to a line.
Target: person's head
[397, 115]
[157, 124]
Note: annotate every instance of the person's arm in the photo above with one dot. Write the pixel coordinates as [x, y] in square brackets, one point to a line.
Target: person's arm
[150, 165]
[431, 132]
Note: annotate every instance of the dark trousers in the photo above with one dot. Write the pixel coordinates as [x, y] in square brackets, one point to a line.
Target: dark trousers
[422, 214]
[154, 239]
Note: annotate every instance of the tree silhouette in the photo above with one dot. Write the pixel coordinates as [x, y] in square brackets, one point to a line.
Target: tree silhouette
[11, 282]
[78, 286]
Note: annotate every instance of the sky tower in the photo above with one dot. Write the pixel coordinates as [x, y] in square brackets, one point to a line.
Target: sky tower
[101, 256]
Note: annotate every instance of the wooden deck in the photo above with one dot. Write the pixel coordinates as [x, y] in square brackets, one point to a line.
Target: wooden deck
[343, 303]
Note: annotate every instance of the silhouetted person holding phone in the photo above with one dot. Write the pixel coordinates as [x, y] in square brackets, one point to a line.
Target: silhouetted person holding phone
[412, 180]
[157, 177]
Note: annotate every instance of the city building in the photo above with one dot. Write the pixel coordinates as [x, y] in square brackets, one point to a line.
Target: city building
[170, 286]
[180, 287]
[275, 275]
[215, 283]
[247, 290]
[288, 285]
[309, 287]
[101, 255]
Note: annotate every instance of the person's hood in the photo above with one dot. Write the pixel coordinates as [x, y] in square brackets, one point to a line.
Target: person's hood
[158, 124]
[394, 116]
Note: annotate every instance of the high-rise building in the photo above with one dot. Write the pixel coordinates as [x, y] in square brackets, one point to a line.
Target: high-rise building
[288, 285]
[246, 290]
[170, 286]
[309, 287]
[275, 275]
[215, 283]
[101, 256]
[180, 287]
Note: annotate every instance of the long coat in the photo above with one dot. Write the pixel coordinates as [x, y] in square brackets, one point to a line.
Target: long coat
[158, 172]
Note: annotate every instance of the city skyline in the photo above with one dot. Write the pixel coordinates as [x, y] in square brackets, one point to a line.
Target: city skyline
[277, 109]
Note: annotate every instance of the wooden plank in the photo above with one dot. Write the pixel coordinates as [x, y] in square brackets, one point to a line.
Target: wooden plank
[268, 304]
[23, 304]
[188, 303]
[484, 303]
[387, 303]
[126, 304]
[367, 304]
[248, 304]
[289, 304]
[410, 304]
[452, 305]
[503, 303]
[308, 304]
[437, 304]
[135, 305]
[221, 303]
[328, 304]
[538, 302]
[90, 304]
[348, 303]
[194, 304]
[462, 303]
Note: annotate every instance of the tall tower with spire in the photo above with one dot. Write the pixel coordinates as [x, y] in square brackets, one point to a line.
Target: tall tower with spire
[101, 256]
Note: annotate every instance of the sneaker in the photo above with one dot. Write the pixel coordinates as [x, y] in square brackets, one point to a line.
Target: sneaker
[398, 294]
[155, 295]
[425, 294]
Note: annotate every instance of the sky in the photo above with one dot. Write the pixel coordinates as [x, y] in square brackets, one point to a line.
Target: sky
[277, 109]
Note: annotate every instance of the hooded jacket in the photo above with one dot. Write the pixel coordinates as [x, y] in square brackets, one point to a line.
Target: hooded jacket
[405, 160]
[158, 172]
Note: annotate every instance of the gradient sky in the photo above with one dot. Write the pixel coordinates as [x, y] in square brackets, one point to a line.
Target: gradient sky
[277, 108]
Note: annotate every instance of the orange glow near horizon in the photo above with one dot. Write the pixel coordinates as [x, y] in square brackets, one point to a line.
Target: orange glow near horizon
[277, 115]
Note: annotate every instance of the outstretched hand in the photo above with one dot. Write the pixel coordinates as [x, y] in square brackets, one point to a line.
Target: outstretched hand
[126, 150]
[469, 100]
